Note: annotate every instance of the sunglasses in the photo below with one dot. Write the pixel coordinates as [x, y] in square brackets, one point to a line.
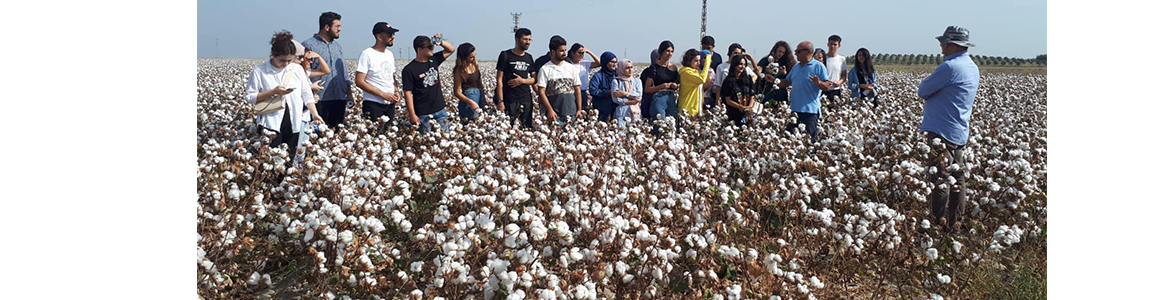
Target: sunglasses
[801, 50]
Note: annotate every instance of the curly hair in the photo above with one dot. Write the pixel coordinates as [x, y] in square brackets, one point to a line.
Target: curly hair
[282, 44]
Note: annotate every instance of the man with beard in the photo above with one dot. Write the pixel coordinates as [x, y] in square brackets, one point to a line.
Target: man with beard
[515, 79]
[374, 74]
[336, 83]
[558, 84]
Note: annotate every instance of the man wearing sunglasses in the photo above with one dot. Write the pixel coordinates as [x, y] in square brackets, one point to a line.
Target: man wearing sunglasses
[420, 83]
[808, 79]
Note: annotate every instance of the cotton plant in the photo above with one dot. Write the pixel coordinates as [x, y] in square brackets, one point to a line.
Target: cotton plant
[585, 211]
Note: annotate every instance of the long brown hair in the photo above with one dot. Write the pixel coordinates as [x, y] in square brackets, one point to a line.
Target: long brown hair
[462, 54]
[787, 59]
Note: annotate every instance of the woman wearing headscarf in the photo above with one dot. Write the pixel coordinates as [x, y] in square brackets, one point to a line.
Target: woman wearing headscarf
[601, 84]
[648, 96]
[627, 94]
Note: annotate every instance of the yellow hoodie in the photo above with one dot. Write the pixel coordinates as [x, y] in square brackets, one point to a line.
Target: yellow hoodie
[690, 103]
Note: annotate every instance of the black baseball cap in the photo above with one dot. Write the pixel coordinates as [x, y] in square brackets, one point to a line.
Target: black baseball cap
[383, 27]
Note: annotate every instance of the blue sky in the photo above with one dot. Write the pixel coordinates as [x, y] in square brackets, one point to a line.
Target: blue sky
[633, 28]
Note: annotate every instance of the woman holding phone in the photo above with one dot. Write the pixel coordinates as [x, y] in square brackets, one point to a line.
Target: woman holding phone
[279, 81]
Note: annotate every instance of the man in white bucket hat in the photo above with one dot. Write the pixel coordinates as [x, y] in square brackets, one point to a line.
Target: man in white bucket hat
[950, 96]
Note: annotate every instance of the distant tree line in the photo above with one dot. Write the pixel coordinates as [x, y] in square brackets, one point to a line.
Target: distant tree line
[934, 59]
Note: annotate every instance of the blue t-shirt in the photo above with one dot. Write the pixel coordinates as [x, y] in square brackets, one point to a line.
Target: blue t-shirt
[950, 94]
[805, 95]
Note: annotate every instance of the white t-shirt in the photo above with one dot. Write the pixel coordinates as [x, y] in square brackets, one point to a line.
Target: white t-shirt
[584, 65]
[558, 79]
[836, 65]
[725, 68]
[379, 68]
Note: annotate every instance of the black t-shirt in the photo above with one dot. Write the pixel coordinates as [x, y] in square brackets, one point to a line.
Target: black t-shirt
[735, 88]
[510, 64]
[768, 87]
[645, 75]
[662, 74]
[540, 61]
[764, 64]
[422, 81]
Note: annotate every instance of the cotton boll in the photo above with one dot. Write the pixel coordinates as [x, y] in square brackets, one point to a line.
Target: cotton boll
[944, 279]
[254, 279]
[932, 253]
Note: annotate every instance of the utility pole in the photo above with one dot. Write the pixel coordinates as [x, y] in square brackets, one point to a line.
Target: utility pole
[217, 47]
[703, 27]
[515, 22]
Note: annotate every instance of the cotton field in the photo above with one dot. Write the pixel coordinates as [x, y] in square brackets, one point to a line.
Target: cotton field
[705, 210]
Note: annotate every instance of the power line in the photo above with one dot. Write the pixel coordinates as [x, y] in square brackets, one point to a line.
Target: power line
[703, 27]
[515, 22]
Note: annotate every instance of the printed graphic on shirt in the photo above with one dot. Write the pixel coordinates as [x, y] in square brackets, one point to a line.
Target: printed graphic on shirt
[520, 66]
[558, 86]
[430, 78]
[386, 67]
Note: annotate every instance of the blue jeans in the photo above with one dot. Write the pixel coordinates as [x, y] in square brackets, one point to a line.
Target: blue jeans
[465, 111]
[440, 116]
[810, 124]
[665, 105]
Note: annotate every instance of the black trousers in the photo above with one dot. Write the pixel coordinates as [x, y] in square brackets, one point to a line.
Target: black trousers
[374, 110]
[521, 110]
[947, 201]
[285, 135]
[332, 111]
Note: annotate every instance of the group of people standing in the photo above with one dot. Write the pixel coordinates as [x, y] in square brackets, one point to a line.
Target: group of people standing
[309, 80]
[558, 82]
